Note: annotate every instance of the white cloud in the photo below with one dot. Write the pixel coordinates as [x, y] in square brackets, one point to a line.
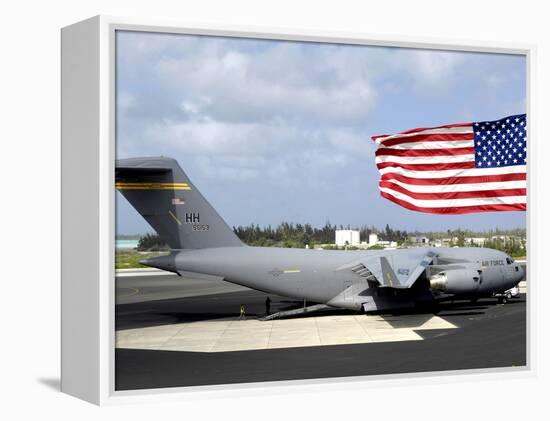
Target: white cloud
[276, 82]
[245, 108]
[495, 81]
[275, 152]
[434, 68]
[125, 102]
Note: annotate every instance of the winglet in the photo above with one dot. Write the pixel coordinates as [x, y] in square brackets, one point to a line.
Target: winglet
[388, 275]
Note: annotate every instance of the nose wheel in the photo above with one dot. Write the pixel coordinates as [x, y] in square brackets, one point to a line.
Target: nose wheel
[504, 299]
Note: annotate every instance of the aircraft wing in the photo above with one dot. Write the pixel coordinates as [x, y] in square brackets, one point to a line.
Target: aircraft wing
[397, 270]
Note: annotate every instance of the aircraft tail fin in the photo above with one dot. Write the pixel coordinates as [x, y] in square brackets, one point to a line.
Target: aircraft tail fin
[163, 194]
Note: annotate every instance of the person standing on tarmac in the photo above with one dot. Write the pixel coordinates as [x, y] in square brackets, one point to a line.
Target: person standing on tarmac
[242, 315]
[267, 306]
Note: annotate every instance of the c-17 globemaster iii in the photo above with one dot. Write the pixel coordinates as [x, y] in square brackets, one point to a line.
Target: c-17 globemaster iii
[367, 280]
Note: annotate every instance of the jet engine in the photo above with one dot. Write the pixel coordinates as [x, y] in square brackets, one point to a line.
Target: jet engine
[456, 281]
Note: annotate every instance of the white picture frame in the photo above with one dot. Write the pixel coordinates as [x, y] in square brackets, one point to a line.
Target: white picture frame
[88, 231]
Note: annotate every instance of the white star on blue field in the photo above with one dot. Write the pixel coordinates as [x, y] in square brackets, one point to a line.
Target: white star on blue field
[501, 143]
[274, 131]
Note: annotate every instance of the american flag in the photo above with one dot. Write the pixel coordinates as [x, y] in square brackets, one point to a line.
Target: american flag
[457, 168]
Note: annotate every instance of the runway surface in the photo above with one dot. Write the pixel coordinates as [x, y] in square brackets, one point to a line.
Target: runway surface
[160, 286]
[174, 331]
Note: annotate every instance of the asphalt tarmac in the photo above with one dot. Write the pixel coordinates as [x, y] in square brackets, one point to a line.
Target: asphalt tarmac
[488, 335]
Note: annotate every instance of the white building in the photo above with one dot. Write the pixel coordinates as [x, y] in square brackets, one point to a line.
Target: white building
[476, 241]
[373, 240]
[387, 244]
[347, 238]
[419, 240]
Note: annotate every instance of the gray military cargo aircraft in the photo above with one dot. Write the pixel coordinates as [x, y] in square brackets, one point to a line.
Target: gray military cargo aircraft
[202, 243]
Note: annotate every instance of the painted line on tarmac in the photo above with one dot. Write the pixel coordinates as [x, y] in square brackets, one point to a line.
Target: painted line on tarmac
[123, 273]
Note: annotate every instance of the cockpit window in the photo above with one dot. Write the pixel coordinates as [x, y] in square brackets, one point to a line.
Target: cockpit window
[509, 260]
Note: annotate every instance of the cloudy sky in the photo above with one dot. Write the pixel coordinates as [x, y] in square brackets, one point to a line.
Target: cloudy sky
[274, 131]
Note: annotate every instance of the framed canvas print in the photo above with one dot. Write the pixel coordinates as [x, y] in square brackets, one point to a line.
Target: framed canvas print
[275, 208]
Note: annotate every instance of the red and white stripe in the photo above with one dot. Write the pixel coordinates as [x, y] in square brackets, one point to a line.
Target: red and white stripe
[433, 170]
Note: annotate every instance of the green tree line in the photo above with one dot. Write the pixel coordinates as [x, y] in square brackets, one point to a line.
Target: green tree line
[297, 235]
[515, 247]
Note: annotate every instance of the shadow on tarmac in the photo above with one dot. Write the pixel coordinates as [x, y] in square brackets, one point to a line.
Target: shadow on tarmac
[226, 306]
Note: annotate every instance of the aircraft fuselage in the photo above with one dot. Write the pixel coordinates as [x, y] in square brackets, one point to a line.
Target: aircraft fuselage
[324, 276]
